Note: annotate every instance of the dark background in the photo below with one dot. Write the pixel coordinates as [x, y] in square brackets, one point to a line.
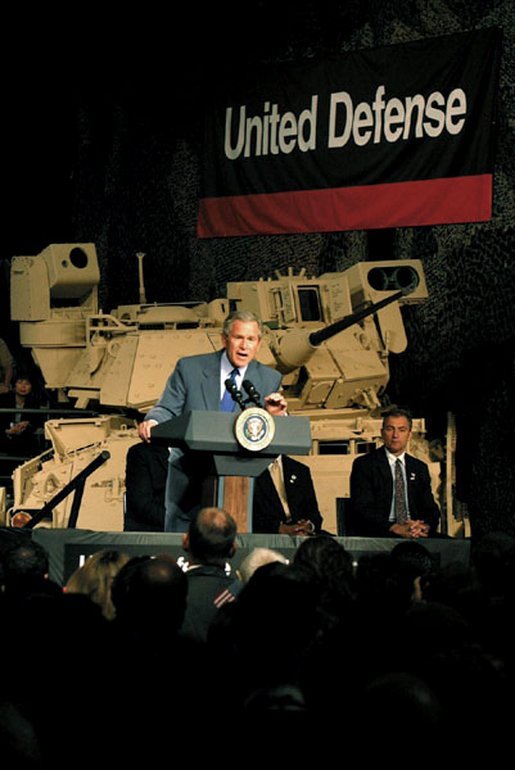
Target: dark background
[101, 141]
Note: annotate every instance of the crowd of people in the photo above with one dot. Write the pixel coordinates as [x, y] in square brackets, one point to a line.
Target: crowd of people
[138, 658]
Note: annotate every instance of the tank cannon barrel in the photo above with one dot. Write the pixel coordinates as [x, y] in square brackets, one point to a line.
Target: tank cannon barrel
[295, 348]
[316, 338]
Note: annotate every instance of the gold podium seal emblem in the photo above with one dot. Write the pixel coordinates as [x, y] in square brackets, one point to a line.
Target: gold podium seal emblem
[254, 428]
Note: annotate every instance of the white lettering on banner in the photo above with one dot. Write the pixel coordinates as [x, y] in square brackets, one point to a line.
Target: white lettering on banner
[272, 132]
[395, 118]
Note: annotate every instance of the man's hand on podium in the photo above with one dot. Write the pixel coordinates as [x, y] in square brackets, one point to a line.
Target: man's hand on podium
[145, 429]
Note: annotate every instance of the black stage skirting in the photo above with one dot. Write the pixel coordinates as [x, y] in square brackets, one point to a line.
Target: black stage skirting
[68, 547]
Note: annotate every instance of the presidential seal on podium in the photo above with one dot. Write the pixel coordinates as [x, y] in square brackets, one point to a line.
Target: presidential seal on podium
[254, 428]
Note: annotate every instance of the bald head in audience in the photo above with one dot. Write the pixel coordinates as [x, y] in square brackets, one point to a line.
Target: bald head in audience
[211, 537]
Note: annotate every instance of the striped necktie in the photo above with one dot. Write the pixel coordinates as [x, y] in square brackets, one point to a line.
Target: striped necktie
[401, 514]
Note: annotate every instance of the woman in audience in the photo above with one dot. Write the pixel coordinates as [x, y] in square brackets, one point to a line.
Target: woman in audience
[95, 577]
[17, 431]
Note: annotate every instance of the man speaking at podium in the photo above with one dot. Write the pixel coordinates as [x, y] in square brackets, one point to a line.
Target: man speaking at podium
[198, 383]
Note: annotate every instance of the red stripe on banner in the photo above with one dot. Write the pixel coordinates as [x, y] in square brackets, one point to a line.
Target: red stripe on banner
[401, 204]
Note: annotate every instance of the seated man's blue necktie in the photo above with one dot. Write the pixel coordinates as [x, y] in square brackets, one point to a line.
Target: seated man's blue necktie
[227, 403]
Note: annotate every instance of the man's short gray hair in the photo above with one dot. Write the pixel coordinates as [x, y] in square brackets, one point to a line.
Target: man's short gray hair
[398, 412]
[241, 315]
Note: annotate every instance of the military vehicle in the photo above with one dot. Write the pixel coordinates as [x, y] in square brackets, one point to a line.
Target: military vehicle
[334, 374]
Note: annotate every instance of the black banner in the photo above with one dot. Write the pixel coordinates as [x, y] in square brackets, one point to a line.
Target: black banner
[394, 136]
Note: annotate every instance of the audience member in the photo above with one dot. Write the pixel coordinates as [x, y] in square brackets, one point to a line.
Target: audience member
[19, 745]
[210, 543]
[9, 537]
[323, 557]
[149, 597]
[95, 577]
[56, 648]
[164, 677]
[493, 562]
[257, 558]
[415, 565]
[17, 430]
[329, 568]
[274, 622]
[441, 647]
[396, 702]
[493, 558]
[25, 570]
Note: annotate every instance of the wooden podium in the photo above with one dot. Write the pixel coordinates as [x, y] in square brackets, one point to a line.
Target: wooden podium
[227, 469]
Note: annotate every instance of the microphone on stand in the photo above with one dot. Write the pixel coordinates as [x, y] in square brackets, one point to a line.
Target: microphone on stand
[236, 394]
[252, 393]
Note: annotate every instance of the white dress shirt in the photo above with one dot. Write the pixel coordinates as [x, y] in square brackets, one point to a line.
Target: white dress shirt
[225, 370]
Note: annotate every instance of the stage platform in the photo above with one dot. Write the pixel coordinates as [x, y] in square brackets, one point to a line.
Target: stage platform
[67, 548]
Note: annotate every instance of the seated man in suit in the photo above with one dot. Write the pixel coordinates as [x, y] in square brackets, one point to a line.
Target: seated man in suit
[145, 482]
[198, 383]
[285, 499]
[390, 490]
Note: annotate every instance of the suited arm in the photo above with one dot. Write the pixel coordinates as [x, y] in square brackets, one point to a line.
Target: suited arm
[314, 514]
[266, 515]
[144, 502]
[427, 509]
[172, 399]
[307, 506]
[367, 515]
[268, 383]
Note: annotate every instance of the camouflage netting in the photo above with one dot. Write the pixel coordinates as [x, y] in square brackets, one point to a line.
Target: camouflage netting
[136, 189]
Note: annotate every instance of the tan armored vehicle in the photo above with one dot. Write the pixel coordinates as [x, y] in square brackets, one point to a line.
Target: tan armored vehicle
[334, 373]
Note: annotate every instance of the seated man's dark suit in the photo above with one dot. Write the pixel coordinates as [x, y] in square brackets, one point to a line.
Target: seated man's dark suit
[268, 512]
[371, 491]
[145, 483]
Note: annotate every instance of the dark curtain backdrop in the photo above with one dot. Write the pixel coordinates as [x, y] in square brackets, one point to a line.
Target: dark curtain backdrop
[103, 143]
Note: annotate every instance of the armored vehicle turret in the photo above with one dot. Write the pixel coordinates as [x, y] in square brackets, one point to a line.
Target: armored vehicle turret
[330, 337]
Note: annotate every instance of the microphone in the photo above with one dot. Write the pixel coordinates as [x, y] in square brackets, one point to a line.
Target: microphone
[236, 394]
[252, 392]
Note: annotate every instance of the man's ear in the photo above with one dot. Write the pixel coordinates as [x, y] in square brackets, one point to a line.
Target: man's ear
[234, 546]
[186, 541]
